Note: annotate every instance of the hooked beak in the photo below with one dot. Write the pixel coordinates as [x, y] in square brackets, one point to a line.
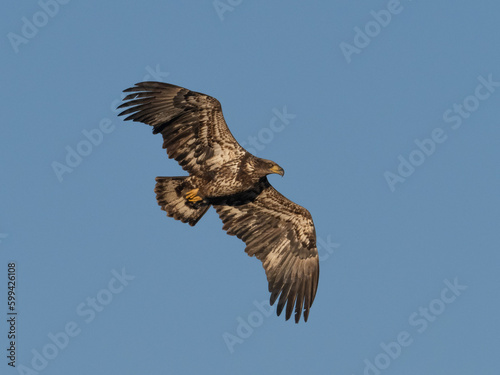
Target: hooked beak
[278, 170]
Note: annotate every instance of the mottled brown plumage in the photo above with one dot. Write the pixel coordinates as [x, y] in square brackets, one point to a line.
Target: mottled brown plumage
[224, 175]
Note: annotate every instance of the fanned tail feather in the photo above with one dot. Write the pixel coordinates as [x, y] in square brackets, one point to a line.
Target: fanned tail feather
[170, 194]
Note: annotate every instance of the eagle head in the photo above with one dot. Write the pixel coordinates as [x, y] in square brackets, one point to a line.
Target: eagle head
[263, 167]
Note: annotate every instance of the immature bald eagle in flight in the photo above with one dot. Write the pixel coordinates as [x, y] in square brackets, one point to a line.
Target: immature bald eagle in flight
[223, 174]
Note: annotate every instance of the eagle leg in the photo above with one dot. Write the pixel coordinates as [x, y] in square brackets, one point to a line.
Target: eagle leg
[192, 196]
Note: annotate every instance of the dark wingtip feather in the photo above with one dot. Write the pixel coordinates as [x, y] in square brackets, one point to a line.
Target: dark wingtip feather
[306, 314]
[127, 111]
[148, 85]
[299, 302]
[290, 304]
[284, 298]
[125, 104]
[281, 305]
[274, 296]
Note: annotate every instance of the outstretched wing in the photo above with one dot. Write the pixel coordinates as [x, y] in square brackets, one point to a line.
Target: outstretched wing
[193, 127]
[281, 234]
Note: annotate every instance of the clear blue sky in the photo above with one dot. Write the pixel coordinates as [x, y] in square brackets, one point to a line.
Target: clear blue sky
[391, 142]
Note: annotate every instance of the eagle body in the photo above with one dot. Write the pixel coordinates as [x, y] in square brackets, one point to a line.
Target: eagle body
[223, 175]
[233, 177]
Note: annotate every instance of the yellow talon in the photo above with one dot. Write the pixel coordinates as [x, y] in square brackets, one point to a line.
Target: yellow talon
[192, 196]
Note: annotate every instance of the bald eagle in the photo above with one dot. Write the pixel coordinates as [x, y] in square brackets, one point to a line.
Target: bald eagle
[222, 174]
